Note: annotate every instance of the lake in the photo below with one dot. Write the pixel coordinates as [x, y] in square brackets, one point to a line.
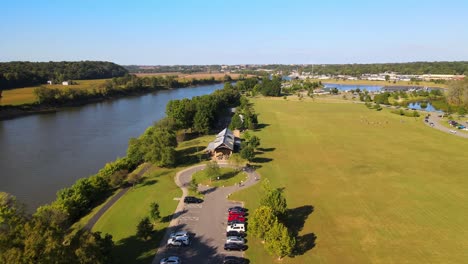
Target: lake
[429, 107]
[41, 154]
[347, 87]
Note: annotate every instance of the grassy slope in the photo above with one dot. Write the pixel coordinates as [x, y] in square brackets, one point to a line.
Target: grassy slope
[385, 188]
[158, 186]
[26, 95]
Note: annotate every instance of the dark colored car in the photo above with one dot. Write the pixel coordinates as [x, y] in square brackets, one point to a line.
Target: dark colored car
[191, 199]
[235, 233]
[237, 208]
[234, 246]
[234, 260]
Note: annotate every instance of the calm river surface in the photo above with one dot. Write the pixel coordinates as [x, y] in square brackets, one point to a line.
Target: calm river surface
[41, 154]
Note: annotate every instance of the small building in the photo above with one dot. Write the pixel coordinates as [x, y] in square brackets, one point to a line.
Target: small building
[65, 83]
[224, 145]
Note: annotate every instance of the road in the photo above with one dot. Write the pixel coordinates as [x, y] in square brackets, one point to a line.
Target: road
[206, 221]
[436, 120]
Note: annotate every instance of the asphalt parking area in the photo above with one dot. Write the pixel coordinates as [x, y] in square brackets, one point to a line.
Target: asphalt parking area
[206, 222]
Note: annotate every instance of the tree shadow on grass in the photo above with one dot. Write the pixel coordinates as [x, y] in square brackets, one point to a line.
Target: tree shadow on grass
[261, 160]
[148, 182]
[295, 220]
[168, 218]
[136, 250]
[266, 149]
[190, 156]
[296, 217]
[261, 126]
[304, 243]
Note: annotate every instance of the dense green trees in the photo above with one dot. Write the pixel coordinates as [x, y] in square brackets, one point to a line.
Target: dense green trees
[270, 87]
[22, 74]
[45, 238]
[262, 221]
[266, 223]
[202, 113]
[458, 93]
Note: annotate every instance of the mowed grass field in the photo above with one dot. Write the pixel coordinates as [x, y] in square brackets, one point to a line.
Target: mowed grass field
[364, 186]
[26, 95]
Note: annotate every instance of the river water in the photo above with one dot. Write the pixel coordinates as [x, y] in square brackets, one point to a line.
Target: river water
[40, 154]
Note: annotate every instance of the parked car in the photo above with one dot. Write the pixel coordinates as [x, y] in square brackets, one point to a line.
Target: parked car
[233, 260]
[235, 233]
[178, 241]
[236, 218]
[170, 260]
[236, 227]
[234, 246]
[179, 234]
[235, 239]
[237, 213]
[191, 199]
[237, 208]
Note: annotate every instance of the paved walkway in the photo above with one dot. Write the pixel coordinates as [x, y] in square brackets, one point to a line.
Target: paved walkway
[436, 120]
[206, 221]
[89, 226]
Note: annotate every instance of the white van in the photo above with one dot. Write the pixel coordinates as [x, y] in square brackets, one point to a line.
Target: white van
[236, 227]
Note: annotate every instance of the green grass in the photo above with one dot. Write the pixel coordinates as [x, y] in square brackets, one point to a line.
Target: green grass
[158, 186]
[26, 95]
[384, 188]
[228, 177]
[122, 218]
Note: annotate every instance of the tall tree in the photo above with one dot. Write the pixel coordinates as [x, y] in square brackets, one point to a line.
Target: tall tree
[276, 201]
[279, 241]
[144, 228]
[262, 221]
[155, 215]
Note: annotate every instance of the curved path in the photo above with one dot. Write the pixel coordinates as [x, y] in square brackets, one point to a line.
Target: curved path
[207, 221]
[436, 120]
[121, 192]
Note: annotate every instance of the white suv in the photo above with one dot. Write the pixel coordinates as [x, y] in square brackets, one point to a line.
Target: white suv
[179, 234]
[236, 227]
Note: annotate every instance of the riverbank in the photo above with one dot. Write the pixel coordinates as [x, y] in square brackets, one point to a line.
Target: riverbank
[15, 111]
[48, 152]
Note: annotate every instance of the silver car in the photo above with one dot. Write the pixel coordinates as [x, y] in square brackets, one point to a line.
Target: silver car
[235, 239]
[178, 241]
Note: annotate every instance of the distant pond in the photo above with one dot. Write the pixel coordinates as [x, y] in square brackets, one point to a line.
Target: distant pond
[426, 106]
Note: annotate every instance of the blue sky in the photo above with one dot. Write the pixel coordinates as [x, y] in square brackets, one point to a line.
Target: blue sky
[234, 32]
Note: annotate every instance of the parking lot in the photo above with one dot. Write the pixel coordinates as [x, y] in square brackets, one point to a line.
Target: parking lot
[206, 222]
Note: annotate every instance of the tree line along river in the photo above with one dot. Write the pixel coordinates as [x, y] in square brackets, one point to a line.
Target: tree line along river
[41, 154]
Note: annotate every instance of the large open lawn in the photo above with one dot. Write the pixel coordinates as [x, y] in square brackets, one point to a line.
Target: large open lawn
[26, 95]
[364, 186]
